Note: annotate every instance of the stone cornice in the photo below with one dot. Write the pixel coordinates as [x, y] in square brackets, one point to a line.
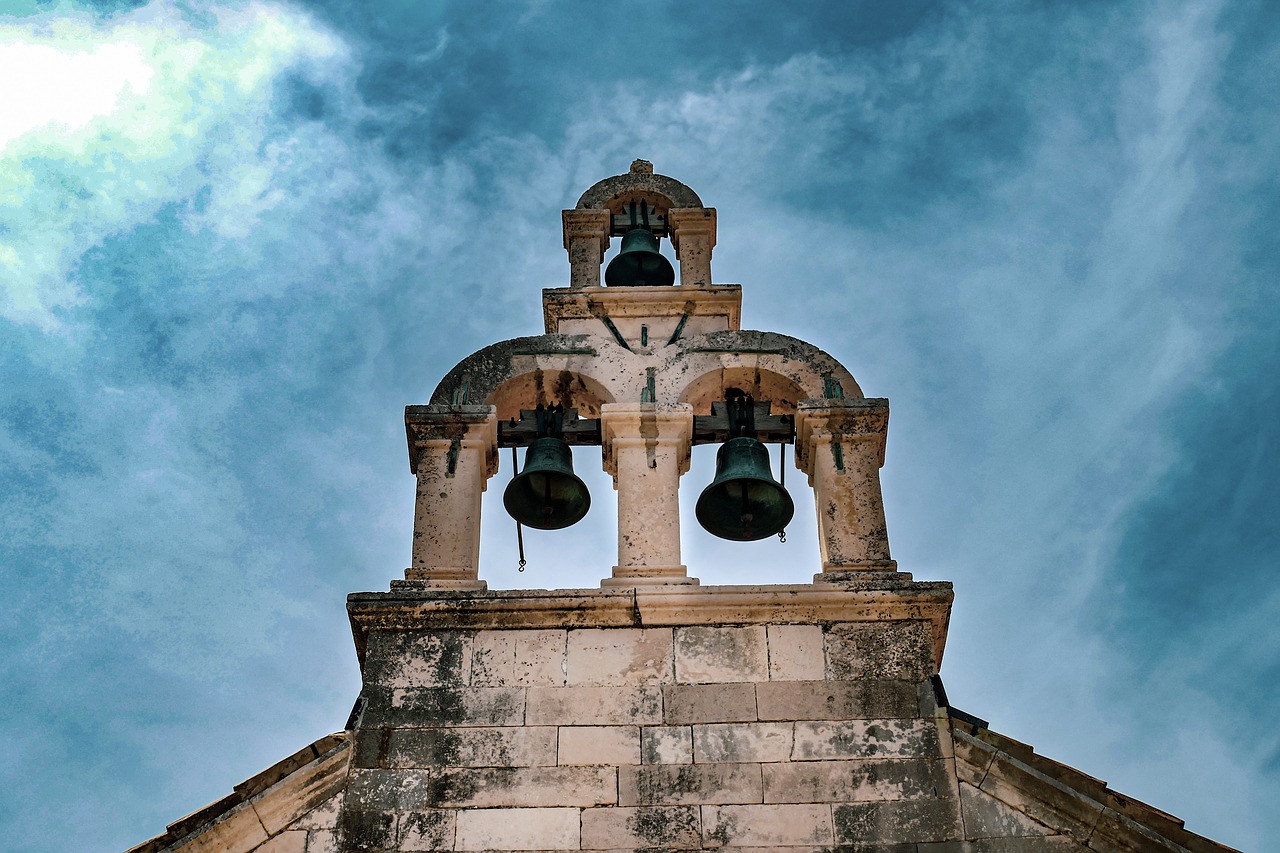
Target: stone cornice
[882, 599]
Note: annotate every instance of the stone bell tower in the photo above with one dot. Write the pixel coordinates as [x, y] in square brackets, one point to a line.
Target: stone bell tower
[652, 712]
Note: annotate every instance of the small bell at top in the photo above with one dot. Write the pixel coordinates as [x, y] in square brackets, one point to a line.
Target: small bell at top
[639, 262]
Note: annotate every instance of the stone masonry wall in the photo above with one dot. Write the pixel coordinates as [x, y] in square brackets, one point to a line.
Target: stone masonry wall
[753, 736]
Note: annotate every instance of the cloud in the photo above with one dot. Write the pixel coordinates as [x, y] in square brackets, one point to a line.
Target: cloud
[108, 119]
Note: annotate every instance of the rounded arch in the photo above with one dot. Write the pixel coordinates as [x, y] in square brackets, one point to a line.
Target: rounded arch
[767, 365]
[659, 190]
[522, 372]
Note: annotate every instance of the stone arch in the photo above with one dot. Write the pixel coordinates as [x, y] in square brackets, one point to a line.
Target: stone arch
[659, 190]
[522, 372]
[769, 366]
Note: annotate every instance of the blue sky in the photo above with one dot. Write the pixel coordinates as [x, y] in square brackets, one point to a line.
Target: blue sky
[237, 238]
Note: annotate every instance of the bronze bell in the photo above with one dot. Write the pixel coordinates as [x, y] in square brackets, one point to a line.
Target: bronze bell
[744, 502]
[639, 262]
[547, 495]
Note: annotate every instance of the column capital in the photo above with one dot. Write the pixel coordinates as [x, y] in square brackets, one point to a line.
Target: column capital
[474, 426]
[691, 222]
[586, 224]
[645, 424]
[822, 421]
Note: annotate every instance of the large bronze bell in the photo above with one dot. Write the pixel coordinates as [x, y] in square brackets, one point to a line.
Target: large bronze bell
[639, 262]
[744, 502]
[547, 495]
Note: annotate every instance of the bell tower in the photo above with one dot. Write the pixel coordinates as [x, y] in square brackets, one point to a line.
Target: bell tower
[646, 368]
[653, 712]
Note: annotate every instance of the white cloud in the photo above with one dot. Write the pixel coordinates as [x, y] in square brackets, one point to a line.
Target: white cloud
[116, 117]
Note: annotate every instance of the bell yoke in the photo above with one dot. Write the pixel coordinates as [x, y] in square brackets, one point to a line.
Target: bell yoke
[644, 367]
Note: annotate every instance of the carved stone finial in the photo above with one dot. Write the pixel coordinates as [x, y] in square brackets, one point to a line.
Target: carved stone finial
[642, 166]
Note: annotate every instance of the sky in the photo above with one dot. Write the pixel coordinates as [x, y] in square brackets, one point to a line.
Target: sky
[236, 239]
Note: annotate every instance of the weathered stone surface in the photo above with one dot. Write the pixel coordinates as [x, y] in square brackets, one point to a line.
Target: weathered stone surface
[854, 781]
[620, 656]
[323, 816]
[629, 828]
[1041, 798]
[795, 653]
[836, 700]
[897, 821]
[900, 650]
[1029, 844]
[369, 746]
[709, 703]
[518, 829]
[594, 706]
[523, 787]
[238, 830]
[502, 746]
[322, 841]
[716, 655]
[447, 706]
[528, 658]
[293, 841]
[973, 757]
[771, 825]
[599, 745]
[666, 745]
[1115, 833]
[741, 742]
[429, 829]
[365, 830]
[688, 784]
[386, 790]
[301, 792]
[986, 817]
[815, 741]
[418, 659]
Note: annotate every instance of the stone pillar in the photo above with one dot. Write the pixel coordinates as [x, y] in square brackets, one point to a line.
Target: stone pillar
[840, 445]
[453, 450]
[586, 238]
[693, 236]
[646, 449]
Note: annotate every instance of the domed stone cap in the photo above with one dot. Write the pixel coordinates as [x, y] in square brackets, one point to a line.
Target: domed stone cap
[640, 183]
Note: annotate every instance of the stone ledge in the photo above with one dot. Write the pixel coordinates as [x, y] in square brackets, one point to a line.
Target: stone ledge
[890, 598]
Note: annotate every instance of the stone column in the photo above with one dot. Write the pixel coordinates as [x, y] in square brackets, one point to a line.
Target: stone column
[693, 236]
[453, 450]
[840, 445]
[646, 449]
[586, 238]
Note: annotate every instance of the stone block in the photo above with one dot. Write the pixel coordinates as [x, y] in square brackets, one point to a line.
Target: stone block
[301, 791]
[1116, 833]
[599, 745]
[973, 757]
[466, 706]
[666, 745]
[741, 742]
[520, 658]
[323, 816]
[854, 781]
[293, 841]
[688, 784]
[523, 787]
[365, 830]
[898, 821]
[818, 741]
[619, 656]
[898, 650]
[869, 699]
[236, 830]
[708, 703]
[430, 829]
[386, 790]
[766, 825]
[631, 828]
[502, 746]
[322, 841]
[796, 653]
[418, 659]
[594, 706]
[716, 655]
[518, 829]
[986, 817]
[370, 746]
[1040, 798]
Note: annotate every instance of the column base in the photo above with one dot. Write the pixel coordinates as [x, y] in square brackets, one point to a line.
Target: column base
[860, 570]
[649, 576]
[441, 577]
